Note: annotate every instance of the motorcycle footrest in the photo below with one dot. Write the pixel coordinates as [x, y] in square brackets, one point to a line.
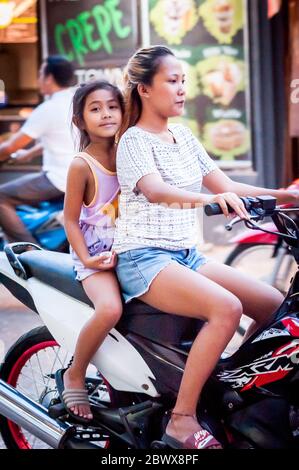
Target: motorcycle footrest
[135, 421]
[57, 411]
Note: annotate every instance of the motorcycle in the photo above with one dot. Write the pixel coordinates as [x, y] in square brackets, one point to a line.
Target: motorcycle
[251, 399]
[277, 264]
[45, 222]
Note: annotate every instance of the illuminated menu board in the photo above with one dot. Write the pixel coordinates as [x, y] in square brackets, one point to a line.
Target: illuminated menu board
[95, 35]
[18, 21]
[209, 38]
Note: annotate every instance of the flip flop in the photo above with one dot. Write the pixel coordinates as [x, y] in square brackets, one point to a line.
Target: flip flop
[201, 439]
[71, 397]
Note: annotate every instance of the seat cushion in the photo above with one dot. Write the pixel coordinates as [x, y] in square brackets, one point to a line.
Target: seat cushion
[56, 270]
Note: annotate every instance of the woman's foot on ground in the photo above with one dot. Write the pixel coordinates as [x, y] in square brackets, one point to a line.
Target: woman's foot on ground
[73, 382]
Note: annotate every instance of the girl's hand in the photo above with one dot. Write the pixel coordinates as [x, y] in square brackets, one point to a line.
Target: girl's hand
[103, 261]
[233, 201]
[292, 196]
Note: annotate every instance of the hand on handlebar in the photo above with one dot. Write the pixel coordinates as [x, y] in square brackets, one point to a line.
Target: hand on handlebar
[294, 195]
[17, 156]
[230, 199]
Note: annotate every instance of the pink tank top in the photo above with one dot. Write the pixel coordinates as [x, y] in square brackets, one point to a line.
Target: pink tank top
[97, 219]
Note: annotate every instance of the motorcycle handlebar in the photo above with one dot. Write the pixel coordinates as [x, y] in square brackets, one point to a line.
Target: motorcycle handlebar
[215, 209]
[259, 208]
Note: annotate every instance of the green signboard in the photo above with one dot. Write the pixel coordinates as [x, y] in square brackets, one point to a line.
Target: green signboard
[93, 34]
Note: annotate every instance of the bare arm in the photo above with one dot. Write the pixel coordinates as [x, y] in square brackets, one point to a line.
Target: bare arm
[156, 191]
[14, 143]
[75, 188]
[217, 182]
[76, 183]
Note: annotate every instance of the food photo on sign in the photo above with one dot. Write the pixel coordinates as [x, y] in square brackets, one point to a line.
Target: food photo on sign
[208, 36]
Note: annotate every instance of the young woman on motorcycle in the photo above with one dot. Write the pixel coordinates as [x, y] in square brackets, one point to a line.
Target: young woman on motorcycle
[89, 216]
[161, 168]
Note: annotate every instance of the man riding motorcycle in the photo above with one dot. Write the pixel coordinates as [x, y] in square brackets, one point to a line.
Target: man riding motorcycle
[50, 124]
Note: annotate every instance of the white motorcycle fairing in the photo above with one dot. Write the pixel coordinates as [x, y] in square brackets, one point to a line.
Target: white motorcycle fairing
[117, 360]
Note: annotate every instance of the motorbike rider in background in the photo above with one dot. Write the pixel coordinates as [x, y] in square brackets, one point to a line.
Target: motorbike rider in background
[50, 124]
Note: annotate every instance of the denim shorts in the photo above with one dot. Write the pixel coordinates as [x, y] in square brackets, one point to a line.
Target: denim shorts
[136, 269]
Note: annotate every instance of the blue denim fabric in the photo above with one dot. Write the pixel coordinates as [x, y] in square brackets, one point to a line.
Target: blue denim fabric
[136, 269]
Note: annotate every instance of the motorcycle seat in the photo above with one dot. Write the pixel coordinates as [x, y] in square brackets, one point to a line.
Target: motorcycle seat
[56, 270]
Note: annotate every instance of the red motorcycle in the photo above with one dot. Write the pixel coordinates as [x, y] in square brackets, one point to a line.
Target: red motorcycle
[276, 265]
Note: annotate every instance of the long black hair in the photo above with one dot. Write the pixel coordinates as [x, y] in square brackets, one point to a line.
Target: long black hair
[79, 101]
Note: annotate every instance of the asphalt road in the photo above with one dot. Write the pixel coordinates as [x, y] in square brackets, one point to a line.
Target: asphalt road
[15, 319]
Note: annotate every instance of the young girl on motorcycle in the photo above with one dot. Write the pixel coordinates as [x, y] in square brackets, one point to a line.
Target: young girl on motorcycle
[161, 168]
[89, 215]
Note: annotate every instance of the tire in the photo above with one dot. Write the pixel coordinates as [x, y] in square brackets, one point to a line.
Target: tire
[244, 257]
[38, 354]
[244, 248]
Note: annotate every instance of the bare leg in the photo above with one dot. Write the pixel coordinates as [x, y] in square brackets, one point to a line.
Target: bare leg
[182, 291]
[259, 300]
[102, 289]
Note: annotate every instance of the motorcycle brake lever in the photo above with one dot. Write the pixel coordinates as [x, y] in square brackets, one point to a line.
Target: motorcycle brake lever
[238, 219]
[233, 222]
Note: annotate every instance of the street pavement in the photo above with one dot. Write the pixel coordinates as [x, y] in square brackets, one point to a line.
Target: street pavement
[15, 319]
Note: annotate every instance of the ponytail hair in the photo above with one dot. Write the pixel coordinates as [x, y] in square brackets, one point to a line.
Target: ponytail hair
[141, 68]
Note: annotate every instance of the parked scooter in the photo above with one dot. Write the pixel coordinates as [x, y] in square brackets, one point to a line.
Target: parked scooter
[45, 222]
[251, 399]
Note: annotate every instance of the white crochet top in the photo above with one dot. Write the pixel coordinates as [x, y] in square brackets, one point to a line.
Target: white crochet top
[182, 164]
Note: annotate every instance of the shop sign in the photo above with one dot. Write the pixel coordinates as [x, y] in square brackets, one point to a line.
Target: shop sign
[18, 21]
[209, 38]
[97, 36]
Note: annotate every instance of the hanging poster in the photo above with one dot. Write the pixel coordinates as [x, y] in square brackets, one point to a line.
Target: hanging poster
[208, 37]
[18, 21]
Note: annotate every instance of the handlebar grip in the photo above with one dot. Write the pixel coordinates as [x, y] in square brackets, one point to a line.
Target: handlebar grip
[215, 209]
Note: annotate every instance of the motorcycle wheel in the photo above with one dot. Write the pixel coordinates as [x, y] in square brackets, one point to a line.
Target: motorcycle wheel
[244, 258]
[29, 366]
